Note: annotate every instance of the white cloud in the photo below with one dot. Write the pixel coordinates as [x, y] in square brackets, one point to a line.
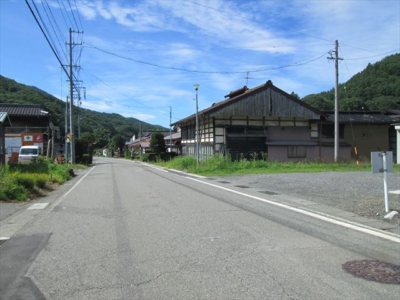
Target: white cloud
[87, 10]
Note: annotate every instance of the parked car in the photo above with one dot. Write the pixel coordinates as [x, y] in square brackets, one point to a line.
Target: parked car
[28, 153]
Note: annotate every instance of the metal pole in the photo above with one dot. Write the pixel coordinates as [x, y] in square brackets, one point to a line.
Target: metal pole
[385, 181]
[336, 146]
[170, 130]
[196, 87]
[66, 131]
[71, 98]
[79, 115]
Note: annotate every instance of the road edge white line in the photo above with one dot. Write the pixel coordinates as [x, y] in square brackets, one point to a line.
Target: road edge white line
[364, 229]
[53, 205]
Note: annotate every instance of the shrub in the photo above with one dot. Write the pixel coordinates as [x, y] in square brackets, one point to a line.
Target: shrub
[40, 166]
[41, 180]
[24, 179]
[15, 192]
[60, 173]
[9, 189]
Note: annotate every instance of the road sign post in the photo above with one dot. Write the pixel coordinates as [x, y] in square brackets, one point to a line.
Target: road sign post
[382, 162]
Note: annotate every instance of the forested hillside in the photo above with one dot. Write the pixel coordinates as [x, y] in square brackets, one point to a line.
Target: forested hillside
[375, 88]
[13, 92]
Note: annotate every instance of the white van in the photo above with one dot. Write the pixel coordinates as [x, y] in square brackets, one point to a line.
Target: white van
[27, 153]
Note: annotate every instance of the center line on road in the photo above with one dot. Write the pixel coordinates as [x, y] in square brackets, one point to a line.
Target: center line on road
[326, 218]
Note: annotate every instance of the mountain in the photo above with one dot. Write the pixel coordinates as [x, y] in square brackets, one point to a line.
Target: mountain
[13, 92]
[377, 87]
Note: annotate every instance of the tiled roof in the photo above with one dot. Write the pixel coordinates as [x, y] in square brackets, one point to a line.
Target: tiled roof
[174, 136]
[22, 109]
[4, 118]
[364, 117]
[244, 92]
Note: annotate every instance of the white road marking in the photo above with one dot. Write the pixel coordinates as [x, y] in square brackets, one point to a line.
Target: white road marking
[395, 192]
[71, 189]
[37, 206]
[320, 216]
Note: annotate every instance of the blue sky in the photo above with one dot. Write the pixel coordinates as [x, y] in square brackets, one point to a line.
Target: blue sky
[139, 58]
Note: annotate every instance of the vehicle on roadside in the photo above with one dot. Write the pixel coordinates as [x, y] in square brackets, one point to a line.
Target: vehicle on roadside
[28, 153]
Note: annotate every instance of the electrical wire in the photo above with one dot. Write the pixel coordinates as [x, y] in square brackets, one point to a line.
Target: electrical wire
[47, 12]
[47, 39]
[205, 71]
[73, 15]
[382, 54]
[145, 106]
[79, 17]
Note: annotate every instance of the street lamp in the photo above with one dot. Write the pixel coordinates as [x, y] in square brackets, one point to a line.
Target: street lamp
[196, 87]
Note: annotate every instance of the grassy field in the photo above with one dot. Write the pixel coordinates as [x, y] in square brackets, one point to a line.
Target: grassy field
[224, 166]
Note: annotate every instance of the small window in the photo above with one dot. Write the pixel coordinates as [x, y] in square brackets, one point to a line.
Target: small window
[297, 151]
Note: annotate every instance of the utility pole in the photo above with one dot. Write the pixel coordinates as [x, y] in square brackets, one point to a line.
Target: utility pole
[336, 58]
[170, 130]
[140, 141]
[71, 97]
[66, 131]
[196, 87]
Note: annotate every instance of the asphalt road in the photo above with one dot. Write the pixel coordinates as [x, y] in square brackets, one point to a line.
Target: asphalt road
[126, 230]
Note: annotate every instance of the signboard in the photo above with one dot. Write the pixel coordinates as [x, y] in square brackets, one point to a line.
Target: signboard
[377, 162]
[29, 139]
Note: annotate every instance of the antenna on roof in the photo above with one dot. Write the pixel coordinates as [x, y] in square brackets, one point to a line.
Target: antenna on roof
[247, 78]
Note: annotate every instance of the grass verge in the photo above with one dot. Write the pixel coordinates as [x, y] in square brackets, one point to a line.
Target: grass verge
[224, 166]
[21, 182]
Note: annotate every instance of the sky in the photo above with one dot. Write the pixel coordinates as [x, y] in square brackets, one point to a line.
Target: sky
[142, 58]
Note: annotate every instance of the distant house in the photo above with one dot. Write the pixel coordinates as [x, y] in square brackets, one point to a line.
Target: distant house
[266, 121]
[30, 126]
[140, 144]
[173, 142]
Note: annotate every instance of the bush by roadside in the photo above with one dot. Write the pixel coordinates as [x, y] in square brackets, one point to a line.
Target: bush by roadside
[21, 182]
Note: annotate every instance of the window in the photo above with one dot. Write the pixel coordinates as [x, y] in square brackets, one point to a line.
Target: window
[297, 151]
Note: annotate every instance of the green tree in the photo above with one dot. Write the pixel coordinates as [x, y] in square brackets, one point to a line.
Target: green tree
[319, 102]
[295, 95]
[117, 143]
[88, 138]
[157, 143]
[351, 104]
[101, 135]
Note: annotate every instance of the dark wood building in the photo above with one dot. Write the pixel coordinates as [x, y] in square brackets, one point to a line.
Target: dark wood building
[30, 126]
[266, 121]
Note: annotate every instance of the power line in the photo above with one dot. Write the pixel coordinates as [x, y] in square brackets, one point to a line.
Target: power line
[47, 39]
[69, 23]
[73, 15]
[116, 90]
[79, 17]
[205, 71]
[382, 54]
[51, 24]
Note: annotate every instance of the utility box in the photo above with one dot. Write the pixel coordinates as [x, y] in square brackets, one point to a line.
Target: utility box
[377, 163]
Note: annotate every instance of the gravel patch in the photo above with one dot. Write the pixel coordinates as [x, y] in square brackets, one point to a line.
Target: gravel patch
[361, 193]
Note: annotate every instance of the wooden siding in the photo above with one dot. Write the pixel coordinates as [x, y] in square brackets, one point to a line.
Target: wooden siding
[265, 103]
